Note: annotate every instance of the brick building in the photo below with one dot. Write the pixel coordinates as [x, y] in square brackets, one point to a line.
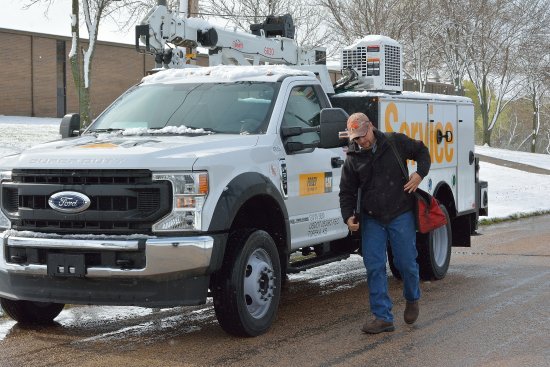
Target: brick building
[36, 79]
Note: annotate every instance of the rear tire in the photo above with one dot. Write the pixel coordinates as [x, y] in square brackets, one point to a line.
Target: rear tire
[434, 251]
[247, 289]
[28, 312]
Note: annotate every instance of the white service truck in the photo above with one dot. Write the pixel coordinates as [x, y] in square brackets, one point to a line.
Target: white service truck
[202, 182]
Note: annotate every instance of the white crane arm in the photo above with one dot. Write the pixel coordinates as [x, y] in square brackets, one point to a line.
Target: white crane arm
[161, 28]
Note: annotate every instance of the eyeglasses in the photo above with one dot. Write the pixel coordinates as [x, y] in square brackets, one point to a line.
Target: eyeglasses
[368, 129]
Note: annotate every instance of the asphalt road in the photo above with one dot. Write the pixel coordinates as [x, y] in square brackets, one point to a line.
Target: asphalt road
[492, 309]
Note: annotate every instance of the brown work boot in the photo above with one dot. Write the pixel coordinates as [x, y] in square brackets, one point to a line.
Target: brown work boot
[411, 312]
[375, 326]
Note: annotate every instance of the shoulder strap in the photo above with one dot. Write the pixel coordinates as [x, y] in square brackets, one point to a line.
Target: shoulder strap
[392, 145]
[419, 193]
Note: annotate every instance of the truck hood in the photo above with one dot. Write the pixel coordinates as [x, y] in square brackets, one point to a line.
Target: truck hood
[109, 151]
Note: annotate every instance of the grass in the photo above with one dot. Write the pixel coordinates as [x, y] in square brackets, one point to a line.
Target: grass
[486, 222]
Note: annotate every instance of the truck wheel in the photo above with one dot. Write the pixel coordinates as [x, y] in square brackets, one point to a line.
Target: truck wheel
[28, 312]
[247, 289]
[434, 251]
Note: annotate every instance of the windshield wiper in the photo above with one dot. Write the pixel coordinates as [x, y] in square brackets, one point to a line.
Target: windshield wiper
[109, 130]
[207, 129]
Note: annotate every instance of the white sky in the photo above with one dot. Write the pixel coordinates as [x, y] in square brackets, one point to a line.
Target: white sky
[511, 191]
[57, 21]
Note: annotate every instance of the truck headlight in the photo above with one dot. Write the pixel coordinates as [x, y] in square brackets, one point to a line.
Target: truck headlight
[189, 194]
[4, 221]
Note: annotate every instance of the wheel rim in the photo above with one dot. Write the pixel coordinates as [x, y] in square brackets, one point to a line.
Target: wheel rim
[259, 283]
[440, 245]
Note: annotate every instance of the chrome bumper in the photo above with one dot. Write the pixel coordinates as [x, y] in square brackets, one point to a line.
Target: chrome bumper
[164, 255]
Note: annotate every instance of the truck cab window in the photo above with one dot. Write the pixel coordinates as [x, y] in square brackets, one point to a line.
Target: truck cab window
[302, 110]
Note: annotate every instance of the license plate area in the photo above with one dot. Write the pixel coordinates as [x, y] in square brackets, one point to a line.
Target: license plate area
[66, 265]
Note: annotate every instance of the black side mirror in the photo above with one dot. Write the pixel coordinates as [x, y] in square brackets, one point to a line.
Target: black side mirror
[70, 126]
[333, 121]
[295, 146]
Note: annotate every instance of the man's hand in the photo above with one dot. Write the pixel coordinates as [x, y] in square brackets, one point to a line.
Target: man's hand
[352, 225]
[414, 180]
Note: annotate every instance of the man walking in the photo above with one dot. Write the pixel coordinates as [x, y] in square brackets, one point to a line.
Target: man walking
[386, 213]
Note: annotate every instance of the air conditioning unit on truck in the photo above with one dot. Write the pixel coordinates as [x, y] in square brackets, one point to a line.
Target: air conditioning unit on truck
[202, 182]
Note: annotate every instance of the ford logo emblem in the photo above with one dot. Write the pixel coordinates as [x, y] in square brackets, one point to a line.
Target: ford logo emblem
[69, 202]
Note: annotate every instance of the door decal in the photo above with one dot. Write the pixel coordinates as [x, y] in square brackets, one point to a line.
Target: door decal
[315, 183]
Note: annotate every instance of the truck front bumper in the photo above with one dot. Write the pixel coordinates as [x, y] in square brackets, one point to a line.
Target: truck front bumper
[175, 270]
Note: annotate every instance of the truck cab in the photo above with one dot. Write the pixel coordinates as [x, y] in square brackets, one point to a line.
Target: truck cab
[155, 202]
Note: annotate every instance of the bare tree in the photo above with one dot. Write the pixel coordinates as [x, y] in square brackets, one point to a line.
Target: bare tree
[353, 19]
[512, 134]
[495, 34]
[454, 17]
[535, 62]
[131, 12]
[422, 48]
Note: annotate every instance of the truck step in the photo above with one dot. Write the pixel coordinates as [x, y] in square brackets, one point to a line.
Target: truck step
[298, 266]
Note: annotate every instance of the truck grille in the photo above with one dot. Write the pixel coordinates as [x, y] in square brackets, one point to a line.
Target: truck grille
[122, 201]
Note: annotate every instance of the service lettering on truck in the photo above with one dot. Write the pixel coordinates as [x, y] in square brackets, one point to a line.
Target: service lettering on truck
[424, 131]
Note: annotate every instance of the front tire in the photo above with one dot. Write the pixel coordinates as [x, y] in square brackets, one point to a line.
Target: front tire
[28, 312]
[434, 251]
[247, 289]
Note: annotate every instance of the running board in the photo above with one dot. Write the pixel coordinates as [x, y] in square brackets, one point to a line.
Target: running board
[302, 265]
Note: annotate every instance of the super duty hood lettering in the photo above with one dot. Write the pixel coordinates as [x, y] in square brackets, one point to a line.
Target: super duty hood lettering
[76, 161]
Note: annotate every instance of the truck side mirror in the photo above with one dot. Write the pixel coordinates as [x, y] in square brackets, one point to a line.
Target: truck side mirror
[70, 126]
[333, 121]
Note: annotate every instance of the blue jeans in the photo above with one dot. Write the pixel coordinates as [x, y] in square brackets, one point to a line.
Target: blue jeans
[402, 235]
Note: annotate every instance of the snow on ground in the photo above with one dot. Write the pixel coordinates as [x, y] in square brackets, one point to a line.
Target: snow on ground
[18, 133]
[514, 192]
[511, 191]
[532, 159]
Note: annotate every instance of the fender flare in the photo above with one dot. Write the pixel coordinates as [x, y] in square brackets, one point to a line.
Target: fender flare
[240, 189]
[442, 185]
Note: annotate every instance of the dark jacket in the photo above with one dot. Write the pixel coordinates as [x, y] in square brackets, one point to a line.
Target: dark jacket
[380, 177]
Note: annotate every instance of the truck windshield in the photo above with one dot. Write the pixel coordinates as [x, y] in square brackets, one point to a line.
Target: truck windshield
[231, 108]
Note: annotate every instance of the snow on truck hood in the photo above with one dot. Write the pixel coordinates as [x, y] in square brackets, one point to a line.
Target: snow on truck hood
[111, 151]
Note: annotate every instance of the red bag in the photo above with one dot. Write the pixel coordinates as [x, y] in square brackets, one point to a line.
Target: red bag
[429, 215]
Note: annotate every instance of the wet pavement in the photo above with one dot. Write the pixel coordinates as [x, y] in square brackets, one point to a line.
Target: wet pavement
[514, 165]
[492, 309]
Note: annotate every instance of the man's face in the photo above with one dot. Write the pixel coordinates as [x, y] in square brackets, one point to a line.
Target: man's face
[366, 141]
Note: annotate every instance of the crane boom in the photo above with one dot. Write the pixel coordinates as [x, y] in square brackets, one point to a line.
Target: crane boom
[161, 28]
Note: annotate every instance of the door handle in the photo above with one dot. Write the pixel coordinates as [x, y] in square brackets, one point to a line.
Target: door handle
[448, 136]
[336, 162]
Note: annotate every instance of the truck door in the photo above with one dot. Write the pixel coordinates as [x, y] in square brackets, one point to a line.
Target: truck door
[312, 174]
[465, 167]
